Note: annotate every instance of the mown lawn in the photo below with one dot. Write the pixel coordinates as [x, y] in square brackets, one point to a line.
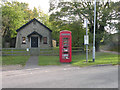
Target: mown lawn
[14, 51]
[79, 60]
[13, 60]
[101, 58]
[48, 60]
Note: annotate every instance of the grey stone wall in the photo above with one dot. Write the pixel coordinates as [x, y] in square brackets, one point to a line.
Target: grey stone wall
[24, 32]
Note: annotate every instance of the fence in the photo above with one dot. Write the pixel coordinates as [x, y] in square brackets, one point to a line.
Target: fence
[14, 51]
[37, 51]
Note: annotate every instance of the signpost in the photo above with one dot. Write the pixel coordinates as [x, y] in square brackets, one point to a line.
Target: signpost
[86, 39]
[86, 42]
[94, 32]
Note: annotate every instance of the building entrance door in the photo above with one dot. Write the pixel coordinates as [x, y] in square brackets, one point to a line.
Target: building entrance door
[34, 41]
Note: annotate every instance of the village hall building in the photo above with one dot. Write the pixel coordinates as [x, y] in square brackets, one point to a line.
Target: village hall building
[33, 34]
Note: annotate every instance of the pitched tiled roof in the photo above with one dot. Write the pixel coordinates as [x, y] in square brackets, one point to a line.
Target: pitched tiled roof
[32, 21]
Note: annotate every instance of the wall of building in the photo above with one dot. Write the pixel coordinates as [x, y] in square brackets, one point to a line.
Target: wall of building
[24, 32]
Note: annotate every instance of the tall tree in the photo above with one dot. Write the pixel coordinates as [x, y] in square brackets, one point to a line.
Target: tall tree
[12, 18]
[105, 13]
[35, 13]
[14, 15]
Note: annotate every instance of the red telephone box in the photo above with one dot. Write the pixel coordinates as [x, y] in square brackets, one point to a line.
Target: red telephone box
[65, 46]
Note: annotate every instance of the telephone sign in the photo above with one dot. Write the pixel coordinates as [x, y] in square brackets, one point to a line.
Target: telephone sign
[86, 39]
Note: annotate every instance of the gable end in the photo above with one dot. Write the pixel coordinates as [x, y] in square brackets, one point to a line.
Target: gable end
[31, 22]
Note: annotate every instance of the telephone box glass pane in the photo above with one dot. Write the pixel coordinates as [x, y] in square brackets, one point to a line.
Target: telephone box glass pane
[65, 48]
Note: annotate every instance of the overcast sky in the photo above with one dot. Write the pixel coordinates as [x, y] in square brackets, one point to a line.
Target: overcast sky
[43, 4]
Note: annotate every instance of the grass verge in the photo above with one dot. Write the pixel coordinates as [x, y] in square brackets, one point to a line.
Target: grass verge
[13, 60]
[48, 60]
[79, 60]
[101, 58]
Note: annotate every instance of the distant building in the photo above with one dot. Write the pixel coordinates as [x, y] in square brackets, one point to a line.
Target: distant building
[33, 34]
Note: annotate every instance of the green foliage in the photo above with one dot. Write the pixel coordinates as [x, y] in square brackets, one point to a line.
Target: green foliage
[78, 33]
[112, 43]
[70, 12]
[12, 18]
[44, 18]
[75, 27]
[16, 14]
[35, 13]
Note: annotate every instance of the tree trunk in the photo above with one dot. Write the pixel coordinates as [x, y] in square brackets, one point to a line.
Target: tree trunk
[97, 46]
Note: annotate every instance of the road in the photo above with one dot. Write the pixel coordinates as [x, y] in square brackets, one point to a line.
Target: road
[64, 76]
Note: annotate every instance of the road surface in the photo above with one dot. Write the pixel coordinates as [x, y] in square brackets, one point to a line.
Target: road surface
[64, 76]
